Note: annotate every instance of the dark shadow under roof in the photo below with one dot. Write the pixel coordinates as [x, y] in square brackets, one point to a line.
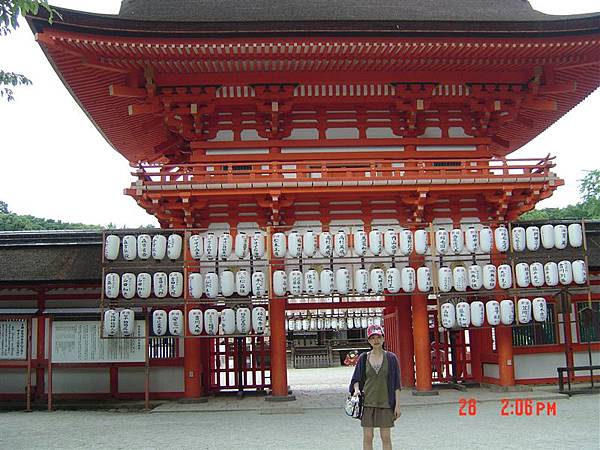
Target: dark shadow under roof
[331, 10]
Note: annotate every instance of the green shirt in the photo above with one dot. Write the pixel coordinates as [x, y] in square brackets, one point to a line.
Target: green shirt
[376, 391]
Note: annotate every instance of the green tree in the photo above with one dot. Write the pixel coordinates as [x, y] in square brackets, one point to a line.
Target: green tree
[10, 11]
[588, 208]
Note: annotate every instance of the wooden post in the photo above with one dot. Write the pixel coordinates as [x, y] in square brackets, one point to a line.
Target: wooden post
[406, 342]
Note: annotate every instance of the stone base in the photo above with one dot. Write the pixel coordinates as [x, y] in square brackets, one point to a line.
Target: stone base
[282, 398]
[515, 388]
[424, 393]
[186, 401]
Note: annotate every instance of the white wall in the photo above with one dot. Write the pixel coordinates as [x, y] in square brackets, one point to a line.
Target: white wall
[491, 370]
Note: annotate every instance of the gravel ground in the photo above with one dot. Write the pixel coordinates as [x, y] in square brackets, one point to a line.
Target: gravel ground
[575, 426]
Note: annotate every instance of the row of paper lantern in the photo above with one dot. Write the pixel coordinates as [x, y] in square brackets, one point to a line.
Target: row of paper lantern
[408, 279]
[464, 314]
[242, 321]
[143, 247]
[161, 284]
[331, 323]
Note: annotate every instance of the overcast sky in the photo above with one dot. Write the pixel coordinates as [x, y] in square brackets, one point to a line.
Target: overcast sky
[56, 165]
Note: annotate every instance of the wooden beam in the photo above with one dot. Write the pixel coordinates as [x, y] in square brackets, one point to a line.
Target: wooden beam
[144, 108]
[117, 90]
[538, 104]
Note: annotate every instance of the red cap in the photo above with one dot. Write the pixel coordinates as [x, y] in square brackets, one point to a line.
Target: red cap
[374, 330]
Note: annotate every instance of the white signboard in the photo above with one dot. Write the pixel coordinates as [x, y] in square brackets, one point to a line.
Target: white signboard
[13, 339]
[80, 342]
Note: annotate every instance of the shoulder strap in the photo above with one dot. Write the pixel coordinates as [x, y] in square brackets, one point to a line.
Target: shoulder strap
[363, 375]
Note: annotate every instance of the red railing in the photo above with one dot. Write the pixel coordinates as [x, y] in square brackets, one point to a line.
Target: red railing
[336, 170]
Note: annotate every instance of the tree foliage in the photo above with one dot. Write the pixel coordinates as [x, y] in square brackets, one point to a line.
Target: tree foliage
[588, 208]
[10, 11]
[14, 222]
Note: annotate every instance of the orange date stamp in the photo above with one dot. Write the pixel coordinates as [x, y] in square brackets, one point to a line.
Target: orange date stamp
[519, 407]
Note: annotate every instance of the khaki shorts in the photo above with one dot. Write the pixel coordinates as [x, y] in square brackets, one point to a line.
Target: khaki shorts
[377, 417]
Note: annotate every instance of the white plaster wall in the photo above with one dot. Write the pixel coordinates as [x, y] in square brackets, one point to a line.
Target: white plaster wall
[80, 381]
[582, 359]
[14, 381]
[491, 370]
[538, 365]
[162, 379]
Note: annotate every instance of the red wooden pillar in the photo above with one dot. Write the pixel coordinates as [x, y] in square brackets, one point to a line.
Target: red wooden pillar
[40, 353]
[192, 366]
[475, 345]
[406, 343]
[279, 383]
[420, 321]
[506, 365]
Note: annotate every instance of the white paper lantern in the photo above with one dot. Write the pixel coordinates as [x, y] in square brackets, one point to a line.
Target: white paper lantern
[442, 241]
[326, 281]
[258, 284]
[242, 246]
[174, 246]
[160, 284]
[128, 285]
[424, 279]
[306, 324]
[225, 245]
[211, 321]
[195, 285]
[342, 280]
[475, 275]
[501, 239]
[457, 240]
[311, 282]
[421, 244]
[377, 321]
[536, 271]
[477, 313]
[565, 272]
[459, 276]
[463, 314]
[211, 285]
[445, 279]
[175, 284]
[448, 313]
[126, 322]
[175, 322]
[259, 319]
[144, 246]
[279, 283]
[540, 309]
[361, 242]
[393, 282]
[547, 232]
[532, 238]
[551, 273]
[227, 282]
[375, 242]
[242, 282]
[357, 322]
[579, 271]
[504, 276]
[390, 242]
[507, 312]
[243, 320]
[320, 323]
[196, 246]
[486, 239]
[523, 275]
[519, 239]
[406, 242]
[111, 322]
[408, 279]
[228, 321]
[257, 245]
[575, 232]
[326, 244]
[472, 240]
[341, 243]
[309, 243]
[364, 322]
[296, 280]
[195, 321]
[294, 241]
[377, 281]
[524, 309]
[210, 246]
[144, 285]
[492, 312]
[111, 247]
[350, 323]
[129, 247]
[361, 281]
[561, 237]
[489, 277]
[159, 322]
[159, 247]
[111, 285]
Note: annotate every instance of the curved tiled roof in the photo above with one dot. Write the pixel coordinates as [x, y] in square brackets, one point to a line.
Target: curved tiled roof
[331, 10]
